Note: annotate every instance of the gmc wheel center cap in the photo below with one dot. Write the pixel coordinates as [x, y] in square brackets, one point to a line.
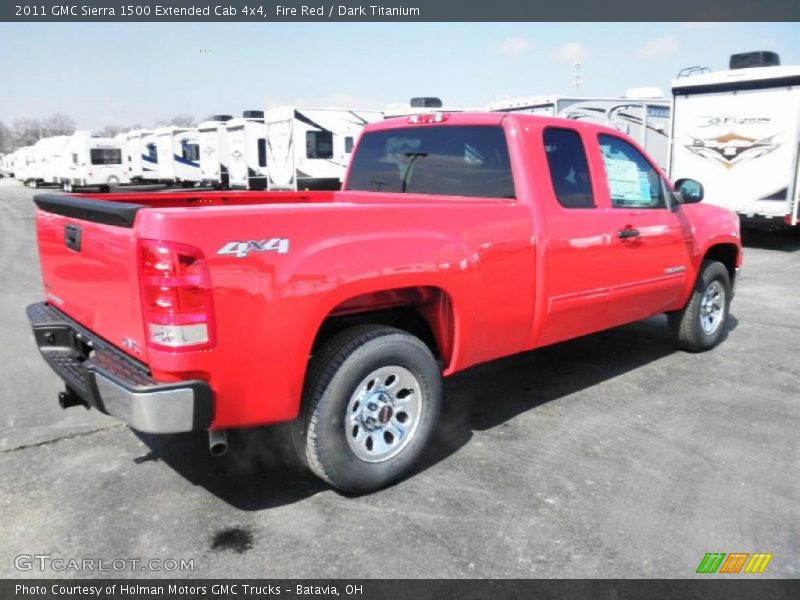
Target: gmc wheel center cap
[384, 414]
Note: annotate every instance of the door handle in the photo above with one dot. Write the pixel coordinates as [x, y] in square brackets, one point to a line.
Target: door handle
[628, 232]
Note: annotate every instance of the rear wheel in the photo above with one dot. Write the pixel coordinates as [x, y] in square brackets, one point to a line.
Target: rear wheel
[370, 405]
[701, 324]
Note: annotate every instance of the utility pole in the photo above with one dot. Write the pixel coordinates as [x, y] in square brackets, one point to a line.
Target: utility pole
[577, 78]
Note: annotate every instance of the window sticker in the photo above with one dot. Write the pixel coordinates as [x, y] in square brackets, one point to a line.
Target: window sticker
[623, 180]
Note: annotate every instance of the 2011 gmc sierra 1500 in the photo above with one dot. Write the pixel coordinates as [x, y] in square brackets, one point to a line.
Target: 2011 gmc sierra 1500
[457, 239]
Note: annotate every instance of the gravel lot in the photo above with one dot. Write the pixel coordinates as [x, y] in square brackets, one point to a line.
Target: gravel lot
[608, 456]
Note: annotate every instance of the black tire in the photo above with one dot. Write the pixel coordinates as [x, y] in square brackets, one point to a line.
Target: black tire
[686, 325]
[335, 374]
[104, 189]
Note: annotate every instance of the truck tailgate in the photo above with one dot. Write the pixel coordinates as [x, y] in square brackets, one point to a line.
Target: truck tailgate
[88, 255]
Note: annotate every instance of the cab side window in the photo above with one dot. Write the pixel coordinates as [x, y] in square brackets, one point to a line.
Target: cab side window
[632, 181]
[569, 169]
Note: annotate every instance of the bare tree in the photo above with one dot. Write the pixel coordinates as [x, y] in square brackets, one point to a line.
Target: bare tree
[178, 121]
[6, 138]
[112, 130]
[58, 124]
[26, 131]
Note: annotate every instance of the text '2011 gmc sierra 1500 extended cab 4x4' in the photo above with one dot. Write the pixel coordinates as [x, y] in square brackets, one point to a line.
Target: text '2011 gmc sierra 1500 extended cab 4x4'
[457, 239]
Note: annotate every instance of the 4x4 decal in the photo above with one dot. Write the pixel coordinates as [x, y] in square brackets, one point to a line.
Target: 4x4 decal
[242, 249]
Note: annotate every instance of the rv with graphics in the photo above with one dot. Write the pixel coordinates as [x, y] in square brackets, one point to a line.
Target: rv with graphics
[247, 147]
[178, 155]
[310, 148]
[641, 113]
[150, 171]
[214, 157]
[140, 166]
[738, 133]
[91, 162]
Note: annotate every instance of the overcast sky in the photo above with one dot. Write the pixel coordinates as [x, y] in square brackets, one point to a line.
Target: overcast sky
[126, 74]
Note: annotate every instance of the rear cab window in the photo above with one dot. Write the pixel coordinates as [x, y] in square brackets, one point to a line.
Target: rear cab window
[446, 160]
[569, 169]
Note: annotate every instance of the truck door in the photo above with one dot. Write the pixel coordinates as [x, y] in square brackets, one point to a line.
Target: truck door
[650, 244]
[578, 242]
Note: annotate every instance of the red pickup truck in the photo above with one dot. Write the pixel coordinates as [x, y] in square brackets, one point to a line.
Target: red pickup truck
[457, 239]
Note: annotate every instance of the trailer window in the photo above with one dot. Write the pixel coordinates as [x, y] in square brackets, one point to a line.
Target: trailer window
[190, 151]
[106, 156]
[152, 153]
[262, 152]
[457, 160]
[569, 170]
[74, 158]
[632, 181]
[348, 144]
[319, 144]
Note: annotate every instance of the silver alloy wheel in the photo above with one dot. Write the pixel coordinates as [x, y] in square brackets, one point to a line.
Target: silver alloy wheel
[712, 307]
[383, 414]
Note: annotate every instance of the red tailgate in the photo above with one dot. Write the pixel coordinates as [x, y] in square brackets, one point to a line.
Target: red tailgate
[89, 271]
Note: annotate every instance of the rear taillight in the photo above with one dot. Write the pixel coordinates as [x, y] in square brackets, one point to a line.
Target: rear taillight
[176, 296]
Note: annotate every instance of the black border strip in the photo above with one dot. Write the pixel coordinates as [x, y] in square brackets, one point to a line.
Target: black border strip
[735, 86]
[107, 212]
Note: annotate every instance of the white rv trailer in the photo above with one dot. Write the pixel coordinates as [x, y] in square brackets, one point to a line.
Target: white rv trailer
[27, 170]
[178, 155]
[214, 157]
[92, 162]
[51, 153]
[140, 168]
[642, 114]
[7, 164]
[247, 148]
[149, 154]
[738, 133]
[310, 148]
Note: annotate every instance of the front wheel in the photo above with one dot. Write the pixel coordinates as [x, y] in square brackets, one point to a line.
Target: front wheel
[701, 324]
[370, 406]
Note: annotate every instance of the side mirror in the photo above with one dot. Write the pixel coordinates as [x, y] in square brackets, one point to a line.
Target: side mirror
[689, 190]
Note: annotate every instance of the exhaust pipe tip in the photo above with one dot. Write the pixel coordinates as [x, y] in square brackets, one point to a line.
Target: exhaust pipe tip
[218, 442]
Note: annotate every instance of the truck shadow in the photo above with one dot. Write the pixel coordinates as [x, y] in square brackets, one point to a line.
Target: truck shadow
[784, 240]
[261, 471]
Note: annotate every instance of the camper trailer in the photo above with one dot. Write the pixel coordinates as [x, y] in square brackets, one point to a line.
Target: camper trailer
[7, 164]
[214, 157]
[51, 153]
[247, 148]
[310, 148]
[92, 162]
[177, 155]
[48, 153]
[149, 154]
[738, 132]
[25, 168]
[138, 167]
[641, 113]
